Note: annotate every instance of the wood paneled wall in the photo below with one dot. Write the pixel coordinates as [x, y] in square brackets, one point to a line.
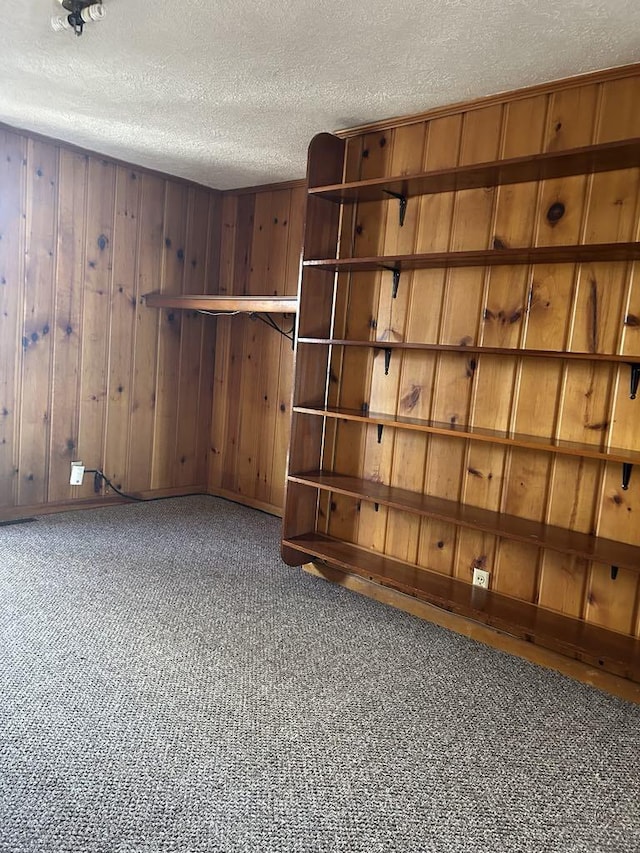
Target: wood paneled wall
[87, 371]
[589, 307]
[260, 254]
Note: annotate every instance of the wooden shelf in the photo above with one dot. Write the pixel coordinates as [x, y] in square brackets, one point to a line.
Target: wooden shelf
[600, 550]
[221, 304]
[564, 634]
[588, 252]
[552, 164]
[474, 349]
[492, 436]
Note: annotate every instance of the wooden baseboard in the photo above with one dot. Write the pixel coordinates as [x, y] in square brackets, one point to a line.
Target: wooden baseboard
[605, 681]
[18, 512]
[263, 506]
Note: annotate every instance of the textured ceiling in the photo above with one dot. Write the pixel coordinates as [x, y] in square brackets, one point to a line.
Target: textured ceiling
[229, 93]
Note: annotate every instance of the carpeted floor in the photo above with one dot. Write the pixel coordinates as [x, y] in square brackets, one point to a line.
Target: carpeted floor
[169, 686]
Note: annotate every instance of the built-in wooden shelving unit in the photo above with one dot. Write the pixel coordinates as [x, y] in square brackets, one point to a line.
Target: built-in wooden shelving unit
[311, 486]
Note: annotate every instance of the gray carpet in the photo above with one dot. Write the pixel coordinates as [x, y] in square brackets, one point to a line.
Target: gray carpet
[169, 686]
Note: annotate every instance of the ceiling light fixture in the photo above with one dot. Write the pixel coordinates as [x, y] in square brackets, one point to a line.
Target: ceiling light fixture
[80, 12]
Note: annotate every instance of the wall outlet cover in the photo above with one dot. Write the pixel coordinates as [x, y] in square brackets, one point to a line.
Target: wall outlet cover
[481, 578]
[77, 474]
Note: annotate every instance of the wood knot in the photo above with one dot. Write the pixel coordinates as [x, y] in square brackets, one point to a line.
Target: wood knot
[555, 212]
[410, 400]
[102, 242]
[632, 320]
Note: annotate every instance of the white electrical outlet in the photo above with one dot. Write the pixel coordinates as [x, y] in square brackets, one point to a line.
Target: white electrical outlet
[77, 474]
[481, 578]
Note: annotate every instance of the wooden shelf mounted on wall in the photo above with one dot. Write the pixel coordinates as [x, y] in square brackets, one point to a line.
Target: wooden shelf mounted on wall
[224, 304]
[607, 156]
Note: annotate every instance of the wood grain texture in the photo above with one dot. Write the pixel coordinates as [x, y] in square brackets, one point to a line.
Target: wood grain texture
[260, 249]
[85, 365]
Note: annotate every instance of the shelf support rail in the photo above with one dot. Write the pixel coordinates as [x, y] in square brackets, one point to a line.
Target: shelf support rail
[403, 204]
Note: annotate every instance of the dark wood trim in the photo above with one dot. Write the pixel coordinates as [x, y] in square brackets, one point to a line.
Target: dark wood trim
[235, 497]
[605, 75]
[18, 512]
[297, 184]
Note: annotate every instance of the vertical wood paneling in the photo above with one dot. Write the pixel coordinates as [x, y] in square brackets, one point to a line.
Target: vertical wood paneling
[67, 327]
[123, 307]
[35, 414]
[12, 221]
[84, 364]
[261, 244]
[97, 282]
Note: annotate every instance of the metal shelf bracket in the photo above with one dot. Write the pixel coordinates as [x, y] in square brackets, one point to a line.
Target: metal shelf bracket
[268, 320]
[396, 279]
[626, 474]
[635, 378]
[403, 204]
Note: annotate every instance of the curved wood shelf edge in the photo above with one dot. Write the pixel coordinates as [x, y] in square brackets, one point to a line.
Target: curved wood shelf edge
[221, 304]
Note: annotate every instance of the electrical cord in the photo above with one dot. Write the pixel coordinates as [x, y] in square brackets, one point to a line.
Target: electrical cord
[99, 476]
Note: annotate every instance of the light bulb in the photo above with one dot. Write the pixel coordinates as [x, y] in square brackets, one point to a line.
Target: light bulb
[92, 13]
[59, 23]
